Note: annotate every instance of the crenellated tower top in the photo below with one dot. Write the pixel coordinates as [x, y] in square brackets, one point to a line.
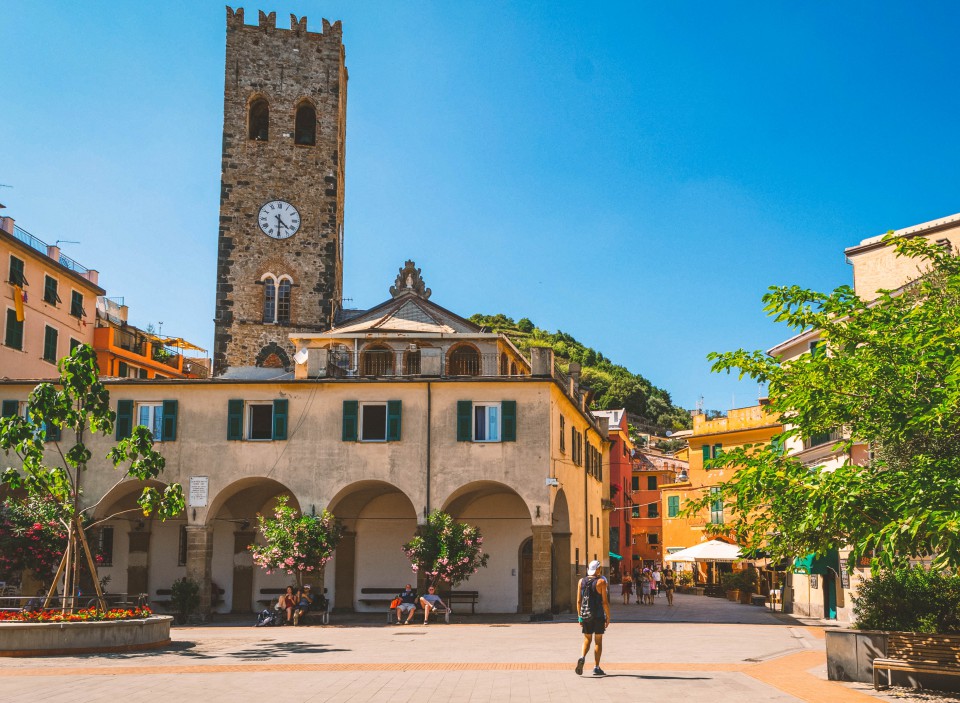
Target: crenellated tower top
[268, 23]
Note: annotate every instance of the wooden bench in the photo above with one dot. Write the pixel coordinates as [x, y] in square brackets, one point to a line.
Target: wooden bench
[277, 592]
[462, 597]
[922, 654]
[384, 596]
[216, 597]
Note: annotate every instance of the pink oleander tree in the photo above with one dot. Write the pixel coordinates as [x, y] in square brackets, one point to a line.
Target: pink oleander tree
[295, 543]
[32, 536]
[444, 550]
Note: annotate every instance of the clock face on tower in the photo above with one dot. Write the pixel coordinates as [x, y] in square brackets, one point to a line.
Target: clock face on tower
[279, 219]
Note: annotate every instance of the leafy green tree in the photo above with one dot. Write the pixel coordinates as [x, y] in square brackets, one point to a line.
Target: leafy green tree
[890, 378]
[295, 543]
[445, 550]
[77, 404]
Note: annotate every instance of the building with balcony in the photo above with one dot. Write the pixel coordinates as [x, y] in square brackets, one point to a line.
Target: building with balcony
[47, 304]
[125, 351]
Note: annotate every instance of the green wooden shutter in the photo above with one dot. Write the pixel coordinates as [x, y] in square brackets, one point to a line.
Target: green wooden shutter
[234, 419]
[351, 409]
[394, 411]
[169, 421]
[706, 452]
[280, 418]
[673, 506]
[51, 432]
[9, 408]
[717, 450]
[124, 424]
[464, 420]
[508, 421]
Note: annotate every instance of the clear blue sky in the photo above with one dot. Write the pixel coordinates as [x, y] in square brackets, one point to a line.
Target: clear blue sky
[635, 176]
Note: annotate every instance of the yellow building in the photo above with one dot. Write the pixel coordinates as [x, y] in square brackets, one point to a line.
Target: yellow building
[752, 425]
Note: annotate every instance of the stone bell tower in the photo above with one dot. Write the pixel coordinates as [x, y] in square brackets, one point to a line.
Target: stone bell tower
[280, 252]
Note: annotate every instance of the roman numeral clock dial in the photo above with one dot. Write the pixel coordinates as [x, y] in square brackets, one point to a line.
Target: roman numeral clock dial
[279, 219]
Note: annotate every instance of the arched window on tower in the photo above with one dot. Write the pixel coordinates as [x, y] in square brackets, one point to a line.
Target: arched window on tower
[276, 298]
[305, 127]
[259, 120]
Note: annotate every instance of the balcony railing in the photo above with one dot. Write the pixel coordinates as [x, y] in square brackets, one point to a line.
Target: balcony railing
[379, 363]
[816, 440]
[41, 246]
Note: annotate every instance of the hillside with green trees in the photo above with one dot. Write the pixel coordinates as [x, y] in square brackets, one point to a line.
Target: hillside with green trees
[613, 385]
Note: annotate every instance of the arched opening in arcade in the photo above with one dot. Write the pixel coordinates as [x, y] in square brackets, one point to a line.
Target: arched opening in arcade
[378, 519]
[564, 572]
[506, 584]
[232, 527]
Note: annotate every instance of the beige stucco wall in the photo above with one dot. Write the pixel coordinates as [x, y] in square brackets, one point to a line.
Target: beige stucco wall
[378, 489]
[878, 267]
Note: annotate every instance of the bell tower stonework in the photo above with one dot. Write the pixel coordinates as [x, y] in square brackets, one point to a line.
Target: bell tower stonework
[280, 253]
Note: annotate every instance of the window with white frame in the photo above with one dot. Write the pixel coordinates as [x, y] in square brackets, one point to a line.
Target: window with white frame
[373, 422]
[150, 415]
[486, 422]
[260, 420]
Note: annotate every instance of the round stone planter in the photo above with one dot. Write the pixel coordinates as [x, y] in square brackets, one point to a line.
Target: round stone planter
[29, 639]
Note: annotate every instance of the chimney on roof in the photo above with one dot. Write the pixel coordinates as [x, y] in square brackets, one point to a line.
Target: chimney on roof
[6, 224]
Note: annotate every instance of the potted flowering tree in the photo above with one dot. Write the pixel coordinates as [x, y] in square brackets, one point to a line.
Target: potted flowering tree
[295, 543]
[446, 551]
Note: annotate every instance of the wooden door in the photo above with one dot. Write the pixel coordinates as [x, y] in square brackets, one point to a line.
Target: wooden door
[526, 576]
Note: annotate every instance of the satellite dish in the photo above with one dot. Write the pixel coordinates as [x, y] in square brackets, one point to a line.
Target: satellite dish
[669, 433]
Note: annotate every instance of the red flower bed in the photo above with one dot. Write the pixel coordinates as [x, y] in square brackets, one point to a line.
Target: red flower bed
[86, 615]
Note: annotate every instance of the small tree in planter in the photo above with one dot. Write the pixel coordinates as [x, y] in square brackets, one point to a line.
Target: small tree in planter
[295, 543]
[445, 550]
[184, 598]
[63, 413]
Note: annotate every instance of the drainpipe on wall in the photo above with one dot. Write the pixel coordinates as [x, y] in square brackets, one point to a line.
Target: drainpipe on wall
[586, 510]
[429, 401]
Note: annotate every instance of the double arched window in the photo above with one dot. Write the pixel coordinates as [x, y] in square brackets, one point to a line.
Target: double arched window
[304, 124]
[276, 298]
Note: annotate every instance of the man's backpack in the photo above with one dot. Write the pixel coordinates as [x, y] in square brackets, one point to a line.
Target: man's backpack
[589, 606]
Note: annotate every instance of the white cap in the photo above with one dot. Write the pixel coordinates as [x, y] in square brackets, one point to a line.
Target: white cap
[593, 568]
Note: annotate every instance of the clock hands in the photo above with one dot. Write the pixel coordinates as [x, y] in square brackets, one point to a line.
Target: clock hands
[281, 223]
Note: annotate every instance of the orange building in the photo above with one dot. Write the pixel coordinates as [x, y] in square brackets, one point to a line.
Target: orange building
[752, 425]
[651, 471]
[125, 351]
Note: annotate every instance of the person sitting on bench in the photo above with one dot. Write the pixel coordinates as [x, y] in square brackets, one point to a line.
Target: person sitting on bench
[430, 601]
[408, 605]
[303, 607]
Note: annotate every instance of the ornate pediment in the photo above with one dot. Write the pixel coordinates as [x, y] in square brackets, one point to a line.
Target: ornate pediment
[409, 281]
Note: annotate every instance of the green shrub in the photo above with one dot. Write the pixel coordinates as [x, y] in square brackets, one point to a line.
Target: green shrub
[909, 600]
[184, 597]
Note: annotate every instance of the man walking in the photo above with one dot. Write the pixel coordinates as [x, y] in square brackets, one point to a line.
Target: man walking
[593, 612]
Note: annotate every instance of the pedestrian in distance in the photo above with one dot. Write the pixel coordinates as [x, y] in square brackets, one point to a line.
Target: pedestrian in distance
[656, 580]
[636, 582]
[669, 584]
[593, 613]
[646, 586]
[626, 588]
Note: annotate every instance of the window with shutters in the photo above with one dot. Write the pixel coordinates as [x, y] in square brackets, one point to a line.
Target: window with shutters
[673, 506]
[716, 507]
[372, 421]
[50, 291]
[14, 332]
[16, 272]
[653, 510]
[635, 483]
[76, 304]
[635, 511]
[651, 483]
[50, 336]
[20, 408]
[486, 421]
[563, 434]
[158, 416]
[182, 547]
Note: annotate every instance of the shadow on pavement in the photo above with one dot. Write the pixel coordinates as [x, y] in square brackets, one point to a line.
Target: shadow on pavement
[271, 650]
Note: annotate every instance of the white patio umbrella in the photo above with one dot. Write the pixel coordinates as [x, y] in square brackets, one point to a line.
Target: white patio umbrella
[714, 550]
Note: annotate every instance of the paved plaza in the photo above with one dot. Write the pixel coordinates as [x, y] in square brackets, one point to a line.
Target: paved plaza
[702, 649]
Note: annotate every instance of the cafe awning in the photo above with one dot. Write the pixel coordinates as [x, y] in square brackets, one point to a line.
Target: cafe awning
[714, 550]
[813, 564]
[615, 556]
